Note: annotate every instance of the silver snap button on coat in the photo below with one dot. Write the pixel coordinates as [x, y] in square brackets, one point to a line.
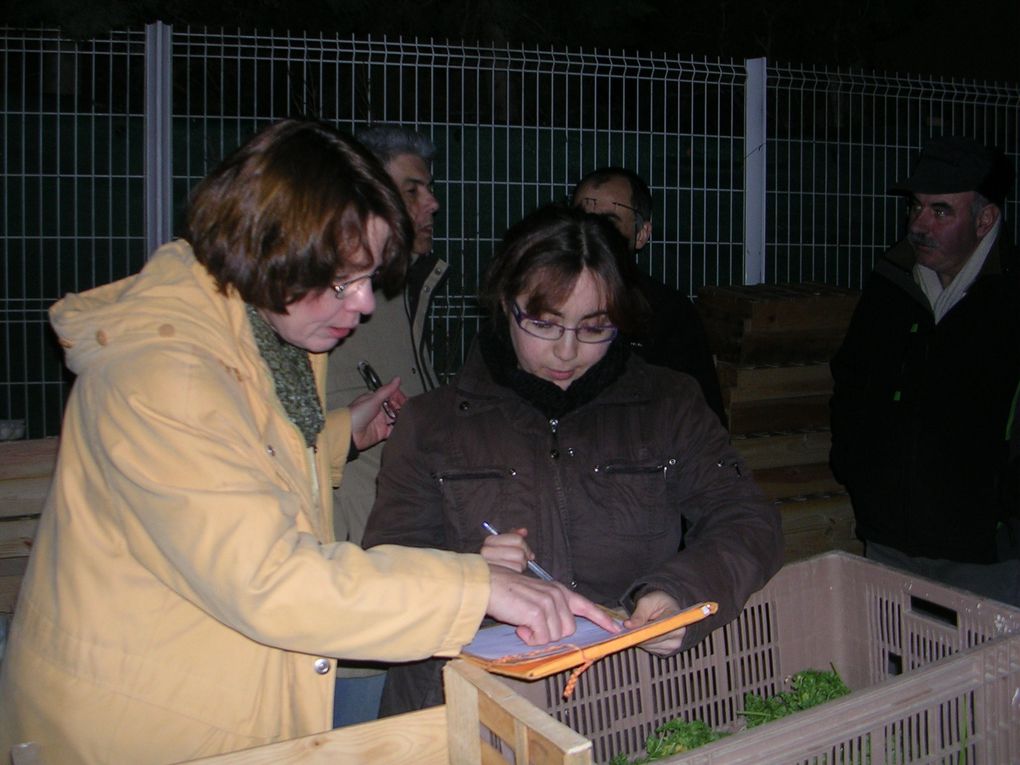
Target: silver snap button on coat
[322, 666]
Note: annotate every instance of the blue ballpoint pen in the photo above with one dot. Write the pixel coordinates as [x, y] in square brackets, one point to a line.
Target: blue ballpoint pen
[537, 570]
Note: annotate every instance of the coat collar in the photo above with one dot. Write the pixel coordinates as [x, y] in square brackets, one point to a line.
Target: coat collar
[477, 392]
[897, 265]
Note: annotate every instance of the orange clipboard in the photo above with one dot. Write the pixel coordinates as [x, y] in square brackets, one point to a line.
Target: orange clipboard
[499, 650]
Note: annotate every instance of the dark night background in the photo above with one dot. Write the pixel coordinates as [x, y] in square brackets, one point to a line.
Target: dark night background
[944, 38]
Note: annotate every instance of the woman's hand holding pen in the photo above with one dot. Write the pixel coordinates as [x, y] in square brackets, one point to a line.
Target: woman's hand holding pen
[541, 611]
[508, 550]
[370, 423]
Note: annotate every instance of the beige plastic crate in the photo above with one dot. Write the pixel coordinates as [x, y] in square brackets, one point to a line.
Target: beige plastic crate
[935, 673]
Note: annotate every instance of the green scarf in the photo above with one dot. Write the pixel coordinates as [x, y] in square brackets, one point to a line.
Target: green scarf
[292, 376]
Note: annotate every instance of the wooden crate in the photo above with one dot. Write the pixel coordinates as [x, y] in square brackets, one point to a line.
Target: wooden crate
[775, 397]
[775, 323]
[779, 414]
[908, 648]
[793, 470]
[418, 737]
[783, 448]
[26, 469]
[797, 480]
[456, 733]
[817, 524]
[766, 383]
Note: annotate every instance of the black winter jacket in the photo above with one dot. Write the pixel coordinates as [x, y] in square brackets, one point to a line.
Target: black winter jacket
[674, 336]
[920, 410]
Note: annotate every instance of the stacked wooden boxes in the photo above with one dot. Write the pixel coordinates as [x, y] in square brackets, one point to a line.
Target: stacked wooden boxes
[772, 344]
[26, 468]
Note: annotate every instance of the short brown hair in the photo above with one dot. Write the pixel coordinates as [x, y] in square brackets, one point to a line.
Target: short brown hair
[284, 214]
[544, 254]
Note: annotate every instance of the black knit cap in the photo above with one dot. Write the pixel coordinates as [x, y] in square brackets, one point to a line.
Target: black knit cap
[952, 164]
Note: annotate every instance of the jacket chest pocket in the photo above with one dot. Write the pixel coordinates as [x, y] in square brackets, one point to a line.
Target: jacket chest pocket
[473, 495]
[634, 495]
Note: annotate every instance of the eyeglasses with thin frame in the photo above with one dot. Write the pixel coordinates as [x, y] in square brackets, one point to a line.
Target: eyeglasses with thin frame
[550, 330]
[342, 289]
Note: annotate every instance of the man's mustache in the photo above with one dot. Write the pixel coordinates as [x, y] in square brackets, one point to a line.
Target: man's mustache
[918, 240]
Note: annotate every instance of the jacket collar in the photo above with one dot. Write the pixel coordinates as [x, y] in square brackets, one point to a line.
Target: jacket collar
[476, 387]
[897, 264]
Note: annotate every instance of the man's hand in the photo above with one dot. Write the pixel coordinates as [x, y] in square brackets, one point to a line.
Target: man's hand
[508, 550]
[541, 611]
[369, 422]
[655, 605]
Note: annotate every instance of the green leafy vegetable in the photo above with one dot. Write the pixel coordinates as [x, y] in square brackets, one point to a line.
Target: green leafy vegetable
[807, 689]
[672, 738]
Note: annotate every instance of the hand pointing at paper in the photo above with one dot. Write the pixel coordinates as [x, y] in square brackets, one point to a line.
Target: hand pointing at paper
[542, 611]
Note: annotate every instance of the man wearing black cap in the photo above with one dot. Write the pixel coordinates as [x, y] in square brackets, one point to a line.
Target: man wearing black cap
[926, 378]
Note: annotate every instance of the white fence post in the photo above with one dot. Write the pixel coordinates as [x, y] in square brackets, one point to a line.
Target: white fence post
[754, 170]
[158, 140]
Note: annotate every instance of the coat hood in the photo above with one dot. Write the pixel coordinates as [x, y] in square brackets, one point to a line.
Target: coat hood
[172, 297]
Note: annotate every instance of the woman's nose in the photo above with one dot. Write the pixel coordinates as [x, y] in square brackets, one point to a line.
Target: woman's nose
[566, 347]
[362, 300]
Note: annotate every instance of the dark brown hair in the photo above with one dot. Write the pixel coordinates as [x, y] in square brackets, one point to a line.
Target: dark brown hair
[544, 254]
[284, 215]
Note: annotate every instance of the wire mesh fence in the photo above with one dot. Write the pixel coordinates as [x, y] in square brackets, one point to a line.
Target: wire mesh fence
[515, 127]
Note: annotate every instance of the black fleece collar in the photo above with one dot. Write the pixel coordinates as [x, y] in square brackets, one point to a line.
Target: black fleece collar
[551, 400]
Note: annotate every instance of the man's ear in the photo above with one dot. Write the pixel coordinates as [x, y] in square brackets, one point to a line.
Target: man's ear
[986, 219]
[643, 235]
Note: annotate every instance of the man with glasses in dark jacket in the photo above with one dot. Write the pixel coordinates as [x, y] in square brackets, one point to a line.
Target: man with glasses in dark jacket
[672, 335]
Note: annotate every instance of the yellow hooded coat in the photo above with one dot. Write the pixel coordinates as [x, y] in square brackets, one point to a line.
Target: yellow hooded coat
[185, 596]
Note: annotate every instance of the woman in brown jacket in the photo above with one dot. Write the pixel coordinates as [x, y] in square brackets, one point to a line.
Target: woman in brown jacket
[612, 474]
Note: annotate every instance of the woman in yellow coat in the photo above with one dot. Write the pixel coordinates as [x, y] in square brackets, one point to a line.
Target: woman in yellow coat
[185, 596]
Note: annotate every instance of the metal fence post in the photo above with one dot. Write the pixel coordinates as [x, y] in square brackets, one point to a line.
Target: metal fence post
[754, 170]
[158, 140]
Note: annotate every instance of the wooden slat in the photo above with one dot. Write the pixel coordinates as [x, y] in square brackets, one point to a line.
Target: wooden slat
[23, 496]
[796, 480]
[463, 716]
[781, 306]
[781, 414]
[813, 525]
[775, 323]
[418, 737]
[16, 535]
[11, 572]
[771, 382]
[9, 588]
[736, 344]
[26, 468]
[27, 459]
[769, 450]
[538, 738]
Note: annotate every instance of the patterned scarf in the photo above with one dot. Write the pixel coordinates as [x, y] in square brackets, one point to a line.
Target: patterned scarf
[292, 376]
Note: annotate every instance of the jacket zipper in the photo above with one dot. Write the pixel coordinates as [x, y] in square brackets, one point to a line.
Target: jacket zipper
[474, 476]
[621, 468]
[554, 454]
